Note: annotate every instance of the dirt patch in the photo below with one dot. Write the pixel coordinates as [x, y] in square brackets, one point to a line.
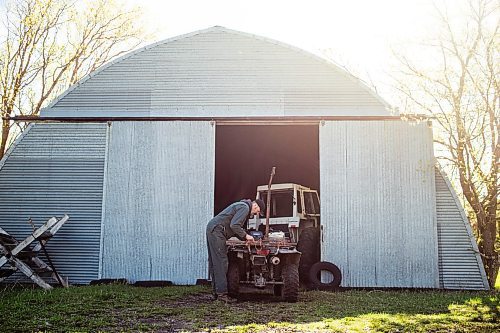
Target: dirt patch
[189, 312]
[246, 296]
[189, 301]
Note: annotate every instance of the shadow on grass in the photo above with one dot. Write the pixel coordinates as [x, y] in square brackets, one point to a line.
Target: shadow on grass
[177, 308]
[354, 310]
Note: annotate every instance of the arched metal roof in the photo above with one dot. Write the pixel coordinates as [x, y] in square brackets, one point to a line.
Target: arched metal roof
[221, 73]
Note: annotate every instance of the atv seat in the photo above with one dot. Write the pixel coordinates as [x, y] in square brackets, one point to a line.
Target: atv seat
[23, 256]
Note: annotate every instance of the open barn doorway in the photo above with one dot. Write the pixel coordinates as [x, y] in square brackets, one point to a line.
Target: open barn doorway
[245, 154]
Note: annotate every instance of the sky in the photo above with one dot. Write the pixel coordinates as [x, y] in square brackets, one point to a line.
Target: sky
[357, 34]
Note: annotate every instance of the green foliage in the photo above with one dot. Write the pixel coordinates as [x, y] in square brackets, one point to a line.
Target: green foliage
[178, 308]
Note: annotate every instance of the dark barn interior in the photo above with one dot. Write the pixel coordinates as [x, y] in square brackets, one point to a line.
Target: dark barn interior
[245, 155]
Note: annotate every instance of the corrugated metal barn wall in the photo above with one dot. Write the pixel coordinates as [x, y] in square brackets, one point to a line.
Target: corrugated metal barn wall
[460, 264]
[378, 203]
[52, 170]
[159, 196]
[375, 186]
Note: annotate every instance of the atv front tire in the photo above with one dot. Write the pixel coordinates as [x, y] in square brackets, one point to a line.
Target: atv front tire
[290, 288]
[233, 278]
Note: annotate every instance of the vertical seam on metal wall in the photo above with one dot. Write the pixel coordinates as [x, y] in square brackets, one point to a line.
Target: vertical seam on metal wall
[467, 228]
[103, 204]
[345, 202]
[321, 236]
[214, 141]
[434, 203]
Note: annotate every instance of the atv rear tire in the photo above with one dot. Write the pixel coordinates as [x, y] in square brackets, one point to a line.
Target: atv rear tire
[290, 288]
[309, 246]
[315, 276]
[233, 278]
[277, 290]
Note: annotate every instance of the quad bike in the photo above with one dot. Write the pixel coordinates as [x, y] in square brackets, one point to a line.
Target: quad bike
[289, 253]
[271, 262]
[295, 210]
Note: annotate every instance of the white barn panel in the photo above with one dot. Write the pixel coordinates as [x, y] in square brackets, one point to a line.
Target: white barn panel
[158, 199]
[378, 203]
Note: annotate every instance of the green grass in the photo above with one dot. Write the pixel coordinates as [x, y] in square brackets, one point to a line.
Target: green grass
[125, 308]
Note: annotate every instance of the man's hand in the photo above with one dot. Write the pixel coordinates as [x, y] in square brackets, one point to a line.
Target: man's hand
[249, 238]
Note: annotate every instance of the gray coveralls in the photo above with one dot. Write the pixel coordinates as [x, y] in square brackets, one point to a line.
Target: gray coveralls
[226, 224]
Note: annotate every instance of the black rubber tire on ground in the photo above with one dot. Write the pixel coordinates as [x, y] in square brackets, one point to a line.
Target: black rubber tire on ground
[233, 278]
[309, 246]
[290, 288]
[315, 276]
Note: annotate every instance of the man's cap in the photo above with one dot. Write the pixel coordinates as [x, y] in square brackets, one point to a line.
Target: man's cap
[261, 205]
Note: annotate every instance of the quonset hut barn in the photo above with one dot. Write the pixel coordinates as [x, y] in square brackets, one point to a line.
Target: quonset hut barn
[143, 152]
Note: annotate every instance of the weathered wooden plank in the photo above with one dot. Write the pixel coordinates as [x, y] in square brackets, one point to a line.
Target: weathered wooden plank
[28, 240]
[31, 274]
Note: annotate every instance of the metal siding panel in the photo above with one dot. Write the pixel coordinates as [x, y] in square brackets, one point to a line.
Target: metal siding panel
[159, 197]
[334, 208]
[362, 258]
[57, 169]
[378, 203]
[460, 265]
[219, 73]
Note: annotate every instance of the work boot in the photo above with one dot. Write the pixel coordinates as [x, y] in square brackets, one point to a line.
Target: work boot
[226, 298]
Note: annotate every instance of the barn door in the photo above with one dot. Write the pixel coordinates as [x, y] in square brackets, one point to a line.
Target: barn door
[158, 199]
[378, 203]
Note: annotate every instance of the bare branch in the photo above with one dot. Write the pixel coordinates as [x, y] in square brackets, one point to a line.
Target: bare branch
[50, 45]
[462, 93]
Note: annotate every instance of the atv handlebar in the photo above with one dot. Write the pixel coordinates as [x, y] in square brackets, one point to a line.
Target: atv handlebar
[270, 243]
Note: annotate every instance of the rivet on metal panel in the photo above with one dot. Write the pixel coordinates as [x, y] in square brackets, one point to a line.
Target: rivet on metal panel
[322, 122]
[212, 123]
[109, 124]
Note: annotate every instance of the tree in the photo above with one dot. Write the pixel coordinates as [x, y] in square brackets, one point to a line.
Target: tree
[461, 90]
[49, 45]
